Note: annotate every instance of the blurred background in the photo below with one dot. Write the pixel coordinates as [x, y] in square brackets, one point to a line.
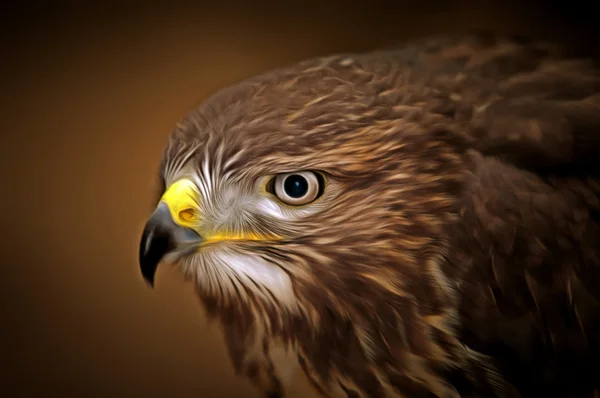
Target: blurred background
[89, 96]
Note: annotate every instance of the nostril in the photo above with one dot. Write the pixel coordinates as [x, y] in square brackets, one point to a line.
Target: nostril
[186, 215]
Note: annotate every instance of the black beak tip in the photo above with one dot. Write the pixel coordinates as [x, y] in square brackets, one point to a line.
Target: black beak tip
[150, 281]
[153, 247]
[148, 265]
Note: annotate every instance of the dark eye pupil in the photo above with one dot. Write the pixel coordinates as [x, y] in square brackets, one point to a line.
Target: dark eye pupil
[295, 186]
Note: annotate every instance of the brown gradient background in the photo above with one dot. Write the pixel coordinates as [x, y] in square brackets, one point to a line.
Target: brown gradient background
[89, 96]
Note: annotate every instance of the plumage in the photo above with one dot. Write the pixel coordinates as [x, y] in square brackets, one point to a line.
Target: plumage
[454, 248]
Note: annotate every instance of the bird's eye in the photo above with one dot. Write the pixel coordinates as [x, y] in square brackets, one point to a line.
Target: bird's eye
[298, 188]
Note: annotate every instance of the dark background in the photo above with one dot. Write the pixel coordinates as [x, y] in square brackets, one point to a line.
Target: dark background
[89, 95]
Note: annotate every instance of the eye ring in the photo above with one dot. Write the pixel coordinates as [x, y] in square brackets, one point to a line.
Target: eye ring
[298, 188]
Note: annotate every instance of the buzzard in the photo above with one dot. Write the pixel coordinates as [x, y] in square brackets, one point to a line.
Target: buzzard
[422, 221]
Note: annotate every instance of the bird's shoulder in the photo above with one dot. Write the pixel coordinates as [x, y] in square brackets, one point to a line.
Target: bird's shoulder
[531, 103]
[525, 255]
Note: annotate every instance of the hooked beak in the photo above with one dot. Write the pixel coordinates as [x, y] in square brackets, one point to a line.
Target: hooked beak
[169, 229]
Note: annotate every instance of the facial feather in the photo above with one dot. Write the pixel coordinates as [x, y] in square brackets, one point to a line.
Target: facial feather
[344, 250]
[340, 252]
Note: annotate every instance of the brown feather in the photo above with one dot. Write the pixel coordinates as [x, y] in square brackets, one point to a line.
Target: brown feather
[456, 249]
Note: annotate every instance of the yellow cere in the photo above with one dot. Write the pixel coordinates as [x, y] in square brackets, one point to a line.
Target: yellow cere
[182, 198]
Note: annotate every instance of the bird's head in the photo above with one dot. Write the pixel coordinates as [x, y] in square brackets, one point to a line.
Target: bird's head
[308, 190]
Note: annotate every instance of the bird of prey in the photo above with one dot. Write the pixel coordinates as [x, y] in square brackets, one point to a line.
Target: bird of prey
[422, 221]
